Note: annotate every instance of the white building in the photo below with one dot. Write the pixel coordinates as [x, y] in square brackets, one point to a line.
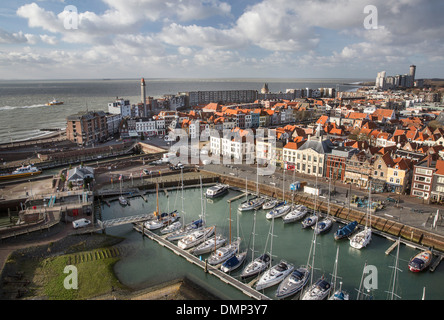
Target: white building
[120, 106]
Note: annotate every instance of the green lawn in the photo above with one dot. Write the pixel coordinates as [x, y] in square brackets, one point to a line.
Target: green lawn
[94, 273]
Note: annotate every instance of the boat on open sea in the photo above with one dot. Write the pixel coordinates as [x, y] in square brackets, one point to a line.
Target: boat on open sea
[420, 261]
[23, 171]
[54, 102]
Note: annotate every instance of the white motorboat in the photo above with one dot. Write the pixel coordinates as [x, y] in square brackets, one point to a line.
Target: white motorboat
[195, 237]
[318, 291]
[210, 244]
[217, 190]
[171, 227]
[361, 239]
[257, 266]
[293, 283]
[270, 204]
[186, 230]
[234, 262]
[309, 221]
[296, 214]
[323, 226]
[224, 253]
[278, 211]
[274, 275]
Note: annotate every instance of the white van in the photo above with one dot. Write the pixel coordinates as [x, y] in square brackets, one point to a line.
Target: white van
[81, 223]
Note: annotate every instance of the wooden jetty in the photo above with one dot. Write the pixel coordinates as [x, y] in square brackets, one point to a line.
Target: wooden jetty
[436, 262]
[245, 288]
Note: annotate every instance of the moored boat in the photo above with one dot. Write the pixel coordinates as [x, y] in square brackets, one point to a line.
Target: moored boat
[234, 262]
[274, 275]
[195, 237]
[171, 227]
[309, 221]
[217, 190]
[224, 253]
[346, 231]
[123, 201]
[186, 230]
[323, 226]
[270, 204]
[54, 102]
[257, 266]
[293, 283]
[23, 171]
[296, 214]
[278, 211]
[318, 291]
[420, 261]
[252, 204]
[162, 221]
[210, 244]
[361, 239]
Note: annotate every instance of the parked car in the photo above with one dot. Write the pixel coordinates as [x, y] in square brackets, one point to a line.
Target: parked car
[177, 166]
[81, 223]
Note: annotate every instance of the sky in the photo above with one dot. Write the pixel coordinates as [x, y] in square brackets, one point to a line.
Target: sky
[81, 39]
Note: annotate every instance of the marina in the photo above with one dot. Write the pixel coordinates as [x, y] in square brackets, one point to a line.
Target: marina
[291, 243]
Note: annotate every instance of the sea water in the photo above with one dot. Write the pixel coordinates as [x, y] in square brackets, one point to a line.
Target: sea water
[23, 110]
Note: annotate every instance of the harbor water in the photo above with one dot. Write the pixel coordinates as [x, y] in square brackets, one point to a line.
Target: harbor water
[146, 263]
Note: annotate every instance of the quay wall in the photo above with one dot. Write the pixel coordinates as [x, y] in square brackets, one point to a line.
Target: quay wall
[419, 236]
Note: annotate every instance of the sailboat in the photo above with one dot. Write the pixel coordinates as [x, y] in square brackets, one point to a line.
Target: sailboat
[282, 208]
[312, 219]
[122, 199]
[258, 265]
[238, 259]
[338, 294]
[296, 214]
[176, 225]
[254, 203]
[391, 293]
[276, 273]
[191, 226]
[420, 261]
[163, 219]
[363, 238]
[224, 253]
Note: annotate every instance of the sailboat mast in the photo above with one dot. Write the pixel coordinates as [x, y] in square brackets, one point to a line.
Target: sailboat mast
[157, 198]
[230, 222]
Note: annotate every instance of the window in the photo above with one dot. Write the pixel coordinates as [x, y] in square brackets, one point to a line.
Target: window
[379, 166]
[395, 173]
[382, 174]
[398, 181]
[391, 179]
